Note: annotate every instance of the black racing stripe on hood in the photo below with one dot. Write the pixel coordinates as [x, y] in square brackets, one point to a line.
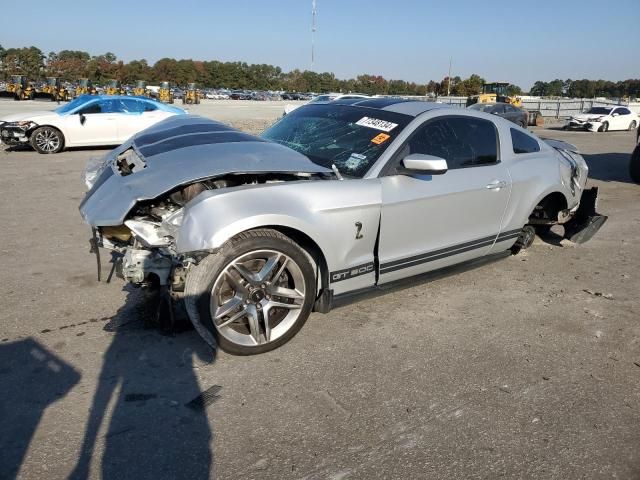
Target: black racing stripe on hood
[143, 140]
[185, 141]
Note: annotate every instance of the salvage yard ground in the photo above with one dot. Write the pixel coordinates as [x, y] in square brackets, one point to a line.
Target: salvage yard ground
[525, 367]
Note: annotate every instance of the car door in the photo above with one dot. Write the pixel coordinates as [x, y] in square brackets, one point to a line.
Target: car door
[621, 119]
[93, 124]
[512, 114]
[432, 221]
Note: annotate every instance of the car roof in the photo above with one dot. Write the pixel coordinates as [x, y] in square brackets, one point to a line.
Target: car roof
[412, 108]
[119, 97]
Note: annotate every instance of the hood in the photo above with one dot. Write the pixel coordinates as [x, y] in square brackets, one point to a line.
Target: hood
[585, 117]
[33, 116]
[178, 151]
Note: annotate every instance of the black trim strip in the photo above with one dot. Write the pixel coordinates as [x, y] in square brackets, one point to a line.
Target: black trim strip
[348, 273]
[205, 127]
[447, 252]
[191, 140]
[436, 252]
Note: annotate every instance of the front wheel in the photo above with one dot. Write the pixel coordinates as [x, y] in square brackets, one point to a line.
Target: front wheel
[47, 140]
[604, 127]
[255, 293]
[632, 125]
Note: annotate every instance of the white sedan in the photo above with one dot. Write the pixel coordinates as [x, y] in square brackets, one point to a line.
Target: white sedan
[603, 119]
[89, 120]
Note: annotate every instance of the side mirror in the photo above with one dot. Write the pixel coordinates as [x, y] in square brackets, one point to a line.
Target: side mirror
[615, 114]
[418, 163]
[82, 118]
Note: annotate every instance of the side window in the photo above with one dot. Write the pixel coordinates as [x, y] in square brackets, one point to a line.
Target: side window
[523, 143]
[510, 109]
[112, 106]
[623, 111]
[148, 106]
[132, 105]
[498, 109]
[461, 141]
[91, 108]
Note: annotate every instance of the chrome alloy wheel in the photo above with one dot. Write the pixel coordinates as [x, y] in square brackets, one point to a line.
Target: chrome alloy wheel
[47, 140]
[257, 298]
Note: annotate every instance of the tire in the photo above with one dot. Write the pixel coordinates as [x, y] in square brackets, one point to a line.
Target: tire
[47, 140]
[632, 125]
[604, 127]
[254, 314]
[634, 165]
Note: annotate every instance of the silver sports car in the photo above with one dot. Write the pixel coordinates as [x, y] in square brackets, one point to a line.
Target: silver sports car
[253, 233]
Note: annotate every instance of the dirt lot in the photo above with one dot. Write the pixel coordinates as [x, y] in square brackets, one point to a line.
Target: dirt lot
[528, 367]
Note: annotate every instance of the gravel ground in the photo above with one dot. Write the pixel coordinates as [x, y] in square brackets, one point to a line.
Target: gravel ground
[528, 367]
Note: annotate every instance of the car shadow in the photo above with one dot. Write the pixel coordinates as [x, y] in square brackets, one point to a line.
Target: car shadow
[609, 167]
[150, 394]
[32, 379]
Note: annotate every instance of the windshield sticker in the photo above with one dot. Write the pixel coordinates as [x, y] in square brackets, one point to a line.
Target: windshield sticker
[380, 138]
[377, 124]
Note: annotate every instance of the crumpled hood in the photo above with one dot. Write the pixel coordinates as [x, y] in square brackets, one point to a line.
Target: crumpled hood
[587, 117]
[33, 116]
[178, 151]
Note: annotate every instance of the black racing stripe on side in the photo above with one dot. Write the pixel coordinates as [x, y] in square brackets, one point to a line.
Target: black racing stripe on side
[509, 233]
[144, 140]
[509, 237]
[436, 257]
[185, 141]
[437, 252]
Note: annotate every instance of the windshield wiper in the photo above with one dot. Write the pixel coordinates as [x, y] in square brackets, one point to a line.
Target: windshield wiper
[336, 171]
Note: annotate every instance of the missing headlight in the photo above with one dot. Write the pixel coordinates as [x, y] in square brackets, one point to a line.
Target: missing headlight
[129, 162]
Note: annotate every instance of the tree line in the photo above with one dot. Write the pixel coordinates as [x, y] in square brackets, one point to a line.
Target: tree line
[587, 88]
[71, 65]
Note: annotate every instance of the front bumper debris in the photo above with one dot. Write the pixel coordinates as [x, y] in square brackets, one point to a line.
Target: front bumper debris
[586, 221]
[13, 135]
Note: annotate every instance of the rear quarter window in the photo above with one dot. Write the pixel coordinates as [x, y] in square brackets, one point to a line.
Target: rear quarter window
[523, 143]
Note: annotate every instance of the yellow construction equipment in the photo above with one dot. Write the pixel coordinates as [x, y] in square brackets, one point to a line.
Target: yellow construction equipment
[52, 91]
[114, 88]
[191, 94]
[85, 87]
[495, 92]
[18, 89]
[164, 93]
[141, 89]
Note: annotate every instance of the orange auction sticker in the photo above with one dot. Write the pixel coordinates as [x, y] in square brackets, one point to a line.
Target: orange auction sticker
[380, 138]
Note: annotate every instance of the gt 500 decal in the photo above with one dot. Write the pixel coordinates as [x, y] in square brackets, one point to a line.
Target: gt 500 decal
[352, 272]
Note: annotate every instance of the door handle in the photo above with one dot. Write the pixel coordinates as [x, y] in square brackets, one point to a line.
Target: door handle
[496, 185]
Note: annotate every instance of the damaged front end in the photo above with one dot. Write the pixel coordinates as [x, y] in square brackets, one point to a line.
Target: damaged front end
[138, 192]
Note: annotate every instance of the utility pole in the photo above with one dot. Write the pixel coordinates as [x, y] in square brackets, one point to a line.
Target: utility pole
[313, 30]
[449, 79]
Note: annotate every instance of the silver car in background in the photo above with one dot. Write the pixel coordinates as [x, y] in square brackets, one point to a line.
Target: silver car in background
[253, 233]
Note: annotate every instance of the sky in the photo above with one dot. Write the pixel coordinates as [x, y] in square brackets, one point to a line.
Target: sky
[515, 41]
